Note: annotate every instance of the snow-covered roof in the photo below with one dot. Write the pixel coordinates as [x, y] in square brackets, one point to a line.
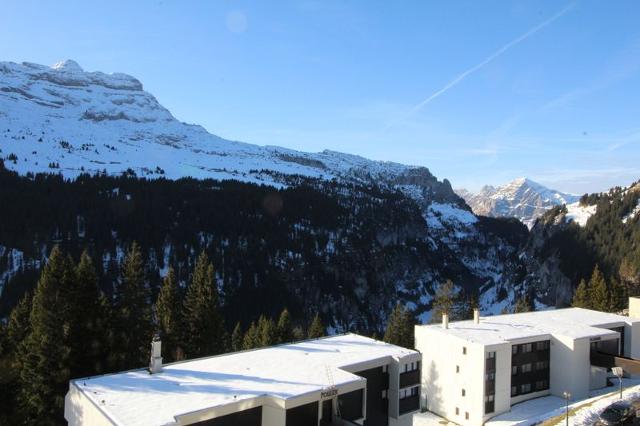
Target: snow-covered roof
[284, 372]
[574, 323]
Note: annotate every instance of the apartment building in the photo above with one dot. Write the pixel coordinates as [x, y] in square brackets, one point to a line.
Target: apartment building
[474, 370]
[340, 380]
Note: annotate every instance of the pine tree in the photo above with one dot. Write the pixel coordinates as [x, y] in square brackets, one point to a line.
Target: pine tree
[133, 312]
[285, 328]
[251, 338]
[267, 331]
[400, 328]
[83, 319]
[599, 291]
[203, 326]
[617, 296]
[582, 298]
[236, 338]
[523, 304]
[443, 302]
[316, 330]
[18, 325]
[44, 374]
[298, 334]
[169, 316]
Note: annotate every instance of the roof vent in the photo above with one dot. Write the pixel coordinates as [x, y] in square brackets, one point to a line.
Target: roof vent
[155, 363]
[445, 320]
[476, 315]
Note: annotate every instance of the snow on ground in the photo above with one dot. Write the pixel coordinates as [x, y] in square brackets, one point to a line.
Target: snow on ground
[632, 214]
[540, 409]
[580, 214]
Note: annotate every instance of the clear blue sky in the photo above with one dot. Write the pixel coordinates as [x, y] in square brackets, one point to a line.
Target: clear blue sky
[478, 91]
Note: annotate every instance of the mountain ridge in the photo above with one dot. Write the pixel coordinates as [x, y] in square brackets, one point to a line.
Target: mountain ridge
[521, 198]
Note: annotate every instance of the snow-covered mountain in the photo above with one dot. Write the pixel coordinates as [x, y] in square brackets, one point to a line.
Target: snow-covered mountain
[62, 119]
[522, 198]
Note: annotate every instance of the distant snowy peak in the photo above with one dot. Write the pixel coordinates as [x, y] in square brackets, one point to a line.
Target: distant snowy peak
[522, 198]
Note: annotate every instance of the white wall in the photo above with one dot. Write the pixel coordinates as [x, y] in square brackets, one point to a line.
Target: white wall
[441, 390]
[634, 307]
[570, 366]
[502, 401]
[273, 416]
[80, 410]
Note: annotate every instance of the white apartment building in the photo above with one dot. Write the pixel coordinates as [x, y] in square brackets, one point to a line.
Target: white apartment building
[473, 370]
[339, 380]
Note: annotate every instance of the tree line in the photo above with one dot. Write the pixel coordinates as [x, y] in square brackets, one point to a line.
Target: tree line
[68, 328]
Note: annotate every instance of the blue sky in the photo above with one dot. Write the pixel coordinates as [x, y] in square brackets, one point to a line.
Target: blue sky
[480, 92]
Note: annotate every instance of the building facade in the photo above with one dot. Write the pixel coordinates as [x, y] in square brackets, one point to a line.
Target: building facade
[340, 380]
[474, 370]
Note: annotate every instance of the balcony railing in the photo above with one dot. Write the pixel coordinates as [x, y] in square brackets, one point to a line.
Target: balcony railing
[409, 378]
[406, 405]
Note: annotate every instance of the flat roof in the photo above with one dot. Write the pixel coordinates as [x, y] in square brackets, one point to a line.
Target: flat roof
[285, 371]
[574, 323]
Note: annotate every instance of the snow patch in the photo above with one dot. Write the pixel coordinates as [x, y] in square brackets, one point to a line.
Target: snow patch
[580, 214]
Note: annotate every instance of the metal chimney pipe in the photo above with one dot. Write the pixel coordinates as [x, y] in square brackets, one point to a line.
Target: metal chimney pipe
[445, 320]
[155, 363]
[476, 315]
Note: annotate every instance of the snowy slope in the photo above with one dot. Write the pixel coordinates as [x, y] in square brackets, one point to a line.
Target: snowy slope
[521, 198]
[64, 119]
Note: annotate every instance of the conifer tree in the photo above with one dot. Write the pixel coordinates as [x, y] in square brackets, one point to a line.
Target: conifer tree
[133, 312]
[582, 298]
[599, 291]
[400, 328]
[83, 319]
[168, 314]
[285, 328]
[203, 326]
[44, 374]
[267, 331]
[523, 304]
[316, 330]
[18, 326]
[236, 338]
[443, 302]
[251, 337]
[298, 334]
[617, 296]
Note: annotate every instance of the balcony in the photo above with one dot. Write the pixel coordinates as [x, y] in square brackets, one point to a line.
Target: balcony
[407, 405]
[409, 378]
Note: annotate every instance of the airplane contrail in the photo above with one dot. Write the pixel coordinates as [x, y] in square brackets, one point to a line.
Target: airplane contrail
[485, 61]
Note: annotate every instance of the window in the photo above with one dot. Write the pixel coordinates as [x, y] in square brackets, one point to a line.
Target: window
[542, 385]
[464, 350]
[489, 404]
[514, 349]
[464, 392]
[384, 394]
[457, 368]
[525, 388]
[527, 347]
[514, 370]
[466, 415]
[457, 411]
[525, 368]
[490, 376]
[542, 365]
[542, 346]
[491, 354]
[415, 391]
[406, 393]
[514, 390]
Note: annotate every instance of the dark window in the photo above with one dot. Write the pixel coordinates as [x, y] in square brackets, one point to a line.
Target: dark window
[514, 390]
[351, 405]
[525, 388]
[457, 368]
[542, 346]
[514, 370]
[489, 404]
[303, 415]
[464, 392]
[514, 349]
[525, 368]
[542, 385]
[490, 376]
[466, 415]
[527, 347]
[491, 354]
[464, 350]
[251, 417]
[542, 365]
[457, 411]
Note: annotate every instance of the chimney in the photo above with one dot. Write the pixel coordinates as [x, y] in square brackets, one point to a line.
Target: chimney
[155, 364]
[476, 315]
[445, 320]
